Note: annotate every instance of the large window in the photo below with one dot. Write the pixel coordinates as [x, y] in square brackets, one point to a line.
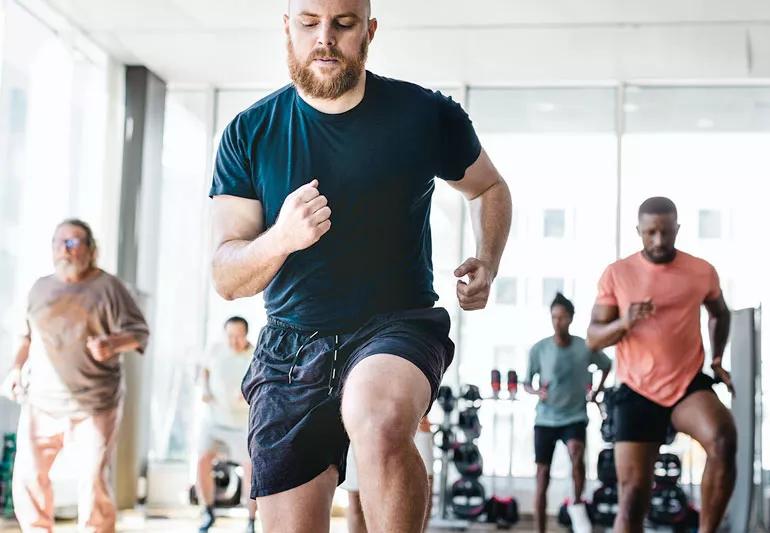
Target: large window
[557, 150]
[706, 148]
[182, 270]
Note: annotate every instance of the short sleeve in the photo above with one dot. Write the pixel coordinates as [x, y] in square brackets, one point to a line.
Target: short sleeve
[232, 168]
[127, 317]
[533, 367]
[22, 327]
[714, 290]
[601, 360]
[607, 294]
[459, 146]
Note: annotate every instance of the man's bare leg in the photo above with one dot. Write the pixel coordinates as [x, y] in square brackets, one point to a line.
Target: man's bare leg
[251, 505]
[355, 515]
[383, 400]
[205, 482]
[702, 416]
[541, 492]
[304, 509]
[634, 462]
[577, 450]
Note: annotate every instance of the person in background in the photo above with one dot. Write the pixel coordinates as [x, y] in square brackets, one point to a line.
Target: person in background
[649, 305]
[80, 320]
[565, 384]
[226, 415]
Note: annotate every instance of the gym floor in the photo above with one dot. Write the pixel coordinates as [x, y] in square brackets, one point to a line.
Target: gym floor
[186, 520]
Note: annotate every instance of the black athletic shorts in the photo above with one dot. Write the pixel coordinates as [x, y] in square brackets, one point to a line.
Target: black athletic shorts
[546, 438]
[638, 419]
[294, 387]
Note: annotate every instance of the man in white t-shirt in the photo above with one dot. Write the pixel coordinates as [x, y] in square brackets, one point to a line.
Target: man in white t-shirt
[226, 415]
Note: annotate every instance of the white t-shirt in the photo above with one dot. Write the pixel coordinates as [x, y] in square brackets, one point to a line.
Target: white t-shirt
[226, 370]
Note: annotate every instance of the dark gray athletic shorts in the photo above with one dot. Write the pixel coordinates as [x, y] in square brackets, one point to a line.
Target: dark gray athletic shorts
[294, 387]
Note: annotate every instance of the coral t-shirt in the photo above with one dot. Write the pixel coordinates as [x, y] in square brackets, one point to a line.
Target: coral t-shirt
[660, 355]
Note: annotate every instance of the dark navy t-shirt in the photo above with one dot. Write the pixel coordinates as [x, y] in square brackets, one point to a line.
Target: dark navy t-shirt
[376, 164]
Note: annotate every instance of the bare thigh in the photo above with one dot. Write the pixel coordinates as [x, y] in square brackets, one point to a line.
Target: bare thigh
[304, 509]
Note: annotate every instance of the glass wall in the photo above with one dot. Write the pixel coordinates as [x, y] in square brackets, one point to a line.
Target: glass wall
[182, 272]
[705, 147]
[557, 150]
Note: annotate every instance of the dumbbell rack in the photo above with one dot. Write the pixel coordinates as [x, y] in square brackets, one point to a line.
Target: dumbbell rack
[503, 511]
[444, 520]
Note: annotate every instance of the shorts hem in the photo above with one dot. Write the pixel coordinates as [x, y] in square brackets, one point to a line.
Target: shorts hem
[283, 487]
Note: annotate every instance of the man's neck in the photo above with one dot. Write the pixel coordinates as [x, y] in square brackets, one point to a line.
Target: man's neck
[563, 341]
[238, 351]
[344, 103]
[667, 260]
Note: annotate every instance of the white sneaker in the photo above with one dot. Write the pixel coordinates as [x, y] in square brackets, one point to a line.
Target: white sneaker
[579, 517]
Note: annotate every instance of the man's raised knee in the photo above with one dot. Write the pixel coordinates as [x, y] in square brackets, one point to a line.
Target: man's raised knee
[723, 444]
[381, 426]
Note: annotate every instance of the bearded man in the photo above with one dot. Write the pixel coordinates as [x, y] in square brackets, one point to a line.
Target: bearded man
[67, 375]
[321, 201]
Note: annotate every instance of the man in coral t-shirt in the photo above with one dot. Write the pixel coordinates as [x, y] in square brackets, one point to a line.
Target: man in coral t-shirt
[649, 305]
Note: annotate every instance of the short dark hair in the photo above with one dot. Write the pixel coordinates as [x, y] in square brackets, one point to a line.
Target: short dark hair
[237, 320]
[657, 205]
[562, 300]
[78, 223]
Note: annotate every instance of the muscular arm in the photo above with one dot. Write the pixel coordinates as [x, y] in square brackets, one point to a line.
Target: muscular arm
[606, 328]
[719, 327]
[490, 208]
[246, 258]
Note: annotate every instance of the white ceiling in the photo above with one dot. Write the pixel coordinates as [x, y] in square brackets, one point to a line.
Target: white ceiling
[234, 42]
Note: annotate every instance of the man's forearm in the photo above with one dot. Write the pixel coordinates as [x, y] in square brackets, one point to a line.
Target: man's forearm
[124, 342]
[719, 331]
[603, 335]
[22, 354]
[245, 268]
[491, 219]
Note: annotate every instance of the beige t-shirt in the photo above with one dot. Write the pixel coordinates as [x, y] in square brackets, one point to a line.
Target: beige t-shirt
[63, 377]
[226, 370]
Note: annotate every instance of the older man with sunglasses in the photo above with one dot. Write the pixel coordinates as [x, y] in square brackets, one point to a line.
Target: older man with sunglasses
[67, 376]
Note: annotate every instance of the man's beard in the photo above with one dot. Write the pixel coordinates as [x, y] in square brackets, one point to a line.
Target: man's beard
[71, 268]
[332, 88]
